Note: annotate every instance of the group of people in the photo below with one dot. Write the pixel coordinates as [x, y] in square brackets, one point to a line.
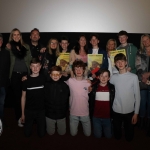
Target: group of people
[44, 93]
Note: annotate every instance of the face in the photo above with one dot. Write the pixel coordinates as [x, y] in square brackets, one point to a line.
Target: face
[35, 68]
[121, 64]
[64, 44]
[94, 65]
[62, 63]
[79, 71]
[146, 41]
[1, 42]
[82, 41]
[94, 41]
[53, 44]
[123, 39]
[16, 36]
[104, 77]
[55, 75]
[35, 36]
[111, 46]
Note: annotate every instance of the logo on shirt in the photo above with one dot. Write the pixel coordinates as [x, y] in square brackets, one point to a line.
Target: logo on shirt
[85, 88]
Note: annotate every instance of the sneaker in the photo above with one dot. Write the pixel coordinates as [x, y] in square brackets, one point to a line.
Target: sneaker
[1, 127]
[19, 123]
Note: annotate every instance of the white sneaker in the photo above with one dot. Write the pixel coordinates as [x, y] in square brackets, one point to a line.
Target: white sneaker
[19, 123]
[1, 127]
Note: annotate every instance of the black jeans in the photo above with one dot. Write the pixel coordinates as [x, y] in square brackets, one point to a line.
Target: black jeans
[16, 84]
[125, 119]
[39, 117]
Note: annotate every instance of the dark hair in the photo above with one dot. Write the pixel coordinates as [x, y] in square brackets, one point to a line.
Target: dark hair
[35, 29]
[78, 63]
[77, 46]
[120, 56]
[35, 61]
[63, 37]
[122, 33]
[94, 34]
[104, 70]
[55, 68]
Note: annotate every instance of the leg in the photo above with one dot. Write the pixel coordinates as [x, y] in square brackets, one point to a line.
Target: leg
[107, 128]
[74, 121]
[86, 124]
[128, 126]
[97, 127]
[2, 99]
[29, 119]
[117, 124]
[61, 125]
[41, 123]
[50, 126]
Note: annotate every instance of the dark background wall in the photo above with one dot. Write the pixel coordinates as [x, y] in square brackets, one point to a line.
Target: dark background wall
[73, 36]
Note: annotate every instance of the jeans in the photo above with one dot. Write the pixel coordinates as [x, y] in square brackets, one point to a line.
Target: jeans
[86, 124]
[118, 119]
[61, 126]
[39, 117]
[102, 124]
[145, 103]
[2, 99]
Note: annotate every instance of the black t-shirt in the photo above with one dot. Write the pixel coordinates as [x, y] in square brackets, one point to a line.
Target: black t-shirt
[34, 87]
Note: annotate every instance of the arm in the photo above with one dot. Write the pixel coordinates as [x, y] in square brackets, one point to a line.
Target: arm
[23, 101]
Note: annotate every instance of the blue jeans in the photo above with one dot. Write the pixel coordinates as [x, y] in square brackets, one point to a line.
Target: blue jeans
[86, 124]
[145, 103]
[102, 124]
[2, 98]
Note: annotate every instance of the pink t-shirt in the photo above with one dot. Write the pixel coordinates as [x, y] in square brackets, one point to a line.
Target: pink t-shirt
[79, 105]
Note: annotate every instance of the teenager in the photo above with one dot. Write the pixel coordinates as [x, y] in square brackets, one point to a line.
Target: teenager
[32, 100]
[130, 49]
[127, 99]
[79, 106]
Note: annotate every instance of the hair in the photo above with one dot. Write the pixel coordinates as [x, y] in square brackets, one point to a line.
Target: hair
[77, 46]
[55, 68]
[35, 61]
[1, 36]
[122, 32]
[35, 29]
[141, 43]
[11, 36]
[120, 56]
[57, 48]
[78, 63]
[64, 38]
[109, 41]
[94, 34]
[104, 70]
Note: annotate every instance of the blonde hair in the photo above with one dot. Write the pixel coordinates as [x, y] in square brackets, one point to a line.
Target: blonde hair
[109, 41]
[57, 48]
[141, 43]
[11, 36]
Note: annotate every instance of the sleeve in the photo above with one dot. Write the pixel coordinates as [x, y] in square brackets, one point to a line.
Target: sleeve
[72, 57]
[137, 95]
[105, 61]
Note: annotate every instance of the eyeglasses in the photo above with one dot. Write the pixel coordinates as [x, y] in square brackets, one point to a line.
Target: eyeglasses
[55, 75]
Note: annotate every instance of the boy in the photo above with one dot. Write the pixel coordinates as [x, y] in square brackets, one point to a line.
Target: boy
[64, 43]
[79, 110]
[130, 49]
[56, 99]
[127, 99]
[32, 100]
[94, 40]
[103, 97]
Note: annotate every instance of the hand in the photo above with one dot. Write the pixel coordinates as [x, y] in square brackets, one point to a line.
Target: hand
[24, 78]
[129, 69]
[42, 50]
[64, 74]
[89, 81]
[145, 76]
[22, 119]
[134, 118]
[89, 89]
[8, 46]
